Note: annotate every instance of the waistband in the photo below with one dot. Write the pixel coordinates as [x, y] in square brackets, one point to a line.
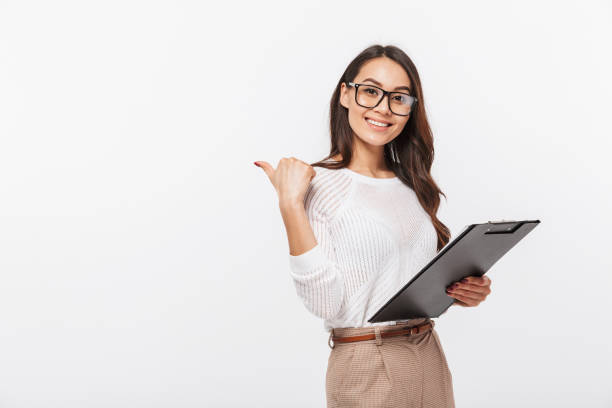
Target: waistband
[377, 330]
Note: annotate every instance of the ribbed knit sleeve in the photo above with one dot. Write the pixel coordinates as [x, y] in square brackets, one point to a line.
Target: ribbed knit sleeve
[316, 274]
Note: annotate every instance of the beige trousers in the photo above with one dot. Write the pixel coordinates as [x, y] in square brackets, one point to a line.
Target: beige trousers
[401, 371]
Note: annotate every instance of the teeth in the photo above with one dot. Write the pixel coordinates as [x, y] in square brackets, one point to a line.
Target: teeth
[377, 123]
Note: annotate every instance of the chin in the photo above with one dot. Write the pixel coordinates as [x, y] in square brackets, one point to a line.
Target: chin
[374, 139]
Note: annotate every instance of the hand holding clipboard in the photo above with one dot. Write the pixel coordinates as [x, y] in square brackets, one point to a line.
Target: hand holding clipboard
[473, 252]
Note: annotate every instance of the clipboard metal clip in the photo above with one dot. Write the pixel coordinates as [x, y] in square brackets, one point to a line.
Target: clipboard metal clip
[503, 227]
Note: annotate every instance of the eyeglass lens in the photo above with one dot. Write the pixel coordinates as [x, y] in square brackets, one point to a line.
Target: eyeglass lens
[368, 96]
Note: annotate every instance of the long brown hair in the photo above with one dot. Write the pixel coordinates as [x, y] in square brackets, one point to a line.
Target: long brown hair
[410, 155]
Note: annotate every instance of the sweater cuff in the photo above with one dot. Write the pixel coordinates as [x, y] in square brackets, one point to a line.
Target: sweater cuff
[307, 262]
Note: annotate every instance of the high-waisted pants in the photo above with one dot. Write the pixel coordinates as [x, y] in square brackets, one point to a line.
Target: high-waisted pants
[400, 371]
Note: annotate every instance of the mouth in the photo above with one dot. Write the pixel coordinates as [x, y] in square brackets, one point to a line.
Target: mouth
[377, 125]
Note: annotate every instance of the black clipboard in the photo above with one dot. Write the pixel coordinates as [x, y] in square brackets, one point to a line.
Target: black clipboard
[473, 252]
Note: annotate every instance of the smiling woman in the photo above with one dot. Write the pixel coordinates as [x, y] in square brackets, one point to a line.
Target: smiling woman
[378, 128]
[360, 226]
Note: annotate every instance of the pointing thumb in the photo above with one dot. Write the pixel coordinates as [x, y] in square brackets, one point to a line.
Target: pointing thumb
[266, 167]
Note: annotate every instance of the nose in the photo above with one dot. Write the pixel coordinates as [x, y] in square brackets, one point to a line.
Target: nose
[383, 106]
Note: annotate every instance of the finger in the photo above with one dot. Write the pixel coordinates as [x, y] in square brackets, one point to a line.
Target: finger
[474, 280]
[482, 280]
[468, 294]
[267, 168]
[460, 303]
[477, 280]
[473, 288]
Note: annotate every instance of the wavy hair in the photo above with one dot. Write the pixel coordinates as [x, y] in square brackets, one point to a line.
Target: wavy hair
[410, 155]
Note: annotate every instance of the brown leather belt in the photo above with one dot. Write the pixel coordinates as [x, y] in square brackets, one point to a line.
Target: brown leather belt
[390, 333]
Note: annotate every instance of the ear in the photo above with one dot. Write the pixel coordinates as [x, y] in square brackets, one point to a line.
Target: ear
[344, 97]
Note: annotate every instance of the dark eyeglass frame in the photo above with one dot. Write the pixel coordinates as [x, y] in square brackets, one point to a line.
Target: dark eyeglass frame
[384, 93]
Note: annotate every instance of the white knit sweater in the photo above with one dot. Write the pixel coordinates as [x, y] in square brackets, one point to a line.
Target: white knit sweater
[372, 235]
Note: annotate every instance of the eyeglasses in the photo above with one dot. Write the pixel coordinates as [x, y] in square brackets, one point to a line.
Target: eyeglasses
[369, 96]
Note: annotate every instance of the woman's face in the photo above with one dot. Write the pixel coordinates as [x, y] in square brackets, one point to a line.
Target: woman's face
[388, 75]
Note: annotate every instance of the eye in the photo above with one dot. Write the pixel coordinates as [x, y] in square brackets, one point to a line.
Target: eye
[403, 99]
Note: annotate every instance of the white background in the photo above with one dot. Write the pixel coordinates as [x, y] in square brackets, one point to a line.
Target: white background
[143, 259]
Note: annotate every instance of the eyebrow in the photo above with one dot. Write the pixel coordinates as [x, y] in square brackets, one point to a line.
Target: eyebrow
[407, 88]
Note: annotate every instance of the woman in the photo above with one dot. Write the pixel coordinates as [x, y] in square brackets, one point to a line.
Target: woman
[361, 225]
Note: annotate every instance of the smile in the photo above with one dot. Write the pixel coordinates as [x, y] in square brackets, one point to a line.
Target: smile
[377, 125]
